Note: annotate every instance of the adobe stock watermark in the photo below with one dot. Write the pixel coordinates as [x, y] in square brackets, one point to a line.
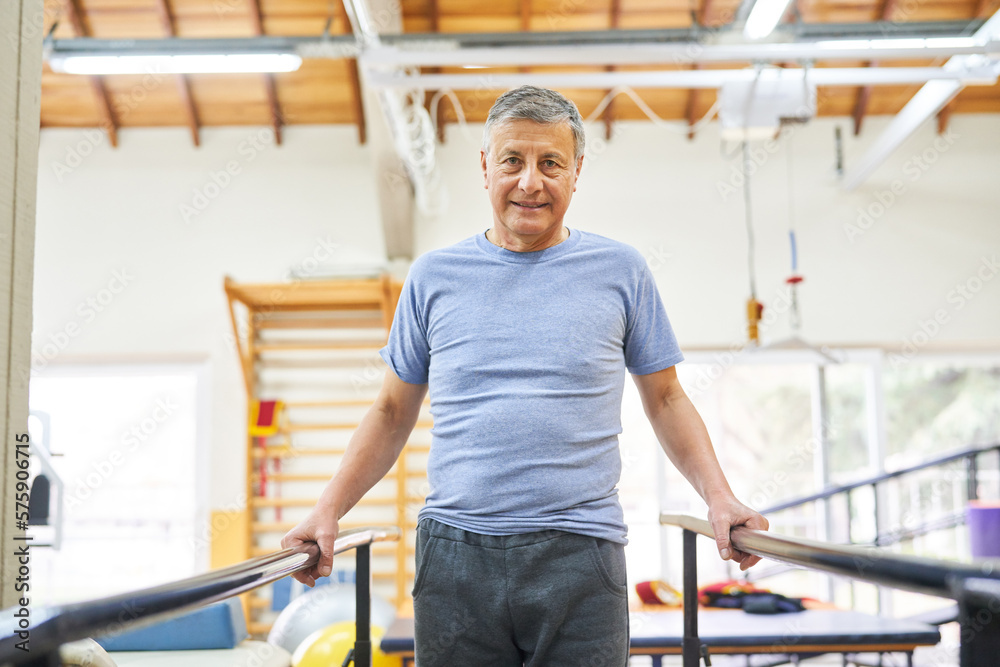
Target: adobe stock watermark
[123, 105]
[220, 522]
[796, 459]
[33, 26]
[723, 360]
[220, 179]
[137, 434]
[87, 311]
[913, 169]
[959, 297]
[323, 250]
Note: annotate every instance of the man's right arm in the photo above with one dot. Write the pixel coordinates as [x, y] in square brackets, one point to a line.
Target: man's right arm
[373, 449]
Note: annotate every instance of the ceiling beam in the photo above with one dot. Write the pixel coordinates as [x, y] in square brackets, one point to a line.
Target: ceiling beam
[864, 93]
[701, 11]
[944, 117]
[354, 80]
[183, 83]
[108, 120]
[690, 108]
[614, 19]
[272, 93]
[439, 120]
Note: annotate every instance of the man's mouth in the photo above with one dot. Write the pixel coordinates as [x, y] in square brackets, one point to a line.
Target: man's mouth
[529, 205]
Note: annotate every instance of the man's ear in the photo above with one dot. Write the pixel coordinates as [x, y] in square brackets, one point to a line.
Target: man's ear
[579, 167]
[482, 162]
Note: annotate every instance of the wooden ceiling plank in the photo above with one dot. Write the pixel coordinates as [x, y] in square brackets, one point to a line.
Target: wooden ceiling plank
[257, 20]
[183, 84]
[75, 15]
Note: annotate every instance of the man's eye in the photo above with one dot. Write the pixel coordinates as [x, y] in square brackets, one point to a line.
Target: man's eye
[511, 160]
[550, 163]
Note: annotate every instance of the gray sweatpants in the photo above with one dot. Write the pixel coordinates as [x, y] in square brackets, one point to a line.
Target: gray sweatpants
[543, 599]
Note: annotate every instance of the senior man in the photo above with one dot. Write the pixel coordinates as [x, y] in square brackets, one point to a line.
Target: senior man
[523, 335]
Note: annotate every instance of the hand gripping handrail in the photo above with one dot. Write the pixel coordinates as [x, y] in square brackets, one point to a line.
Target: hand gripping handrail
[52, 626]
[976, 587]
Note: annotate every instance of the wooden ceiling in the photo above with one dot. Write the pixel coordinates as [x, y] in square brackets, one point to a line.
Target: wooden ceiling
[327, 91]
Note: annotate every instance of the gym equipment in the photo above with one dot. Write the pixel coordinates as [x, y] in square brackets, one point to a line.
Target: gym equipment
[330, 646]
[319, 608]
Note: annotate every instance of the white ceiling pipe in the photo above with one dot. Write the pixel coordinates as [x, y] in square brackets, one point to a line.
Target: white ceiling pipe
[824, 76]
[928, 101]
[687, 52]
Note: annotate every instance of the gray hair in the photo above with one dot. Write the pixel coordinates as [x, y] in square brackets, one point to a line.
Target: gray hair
[540, 105]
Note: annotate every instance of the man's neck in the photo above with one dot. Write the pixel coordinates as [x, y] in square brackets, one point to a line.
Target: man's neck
[516, 244]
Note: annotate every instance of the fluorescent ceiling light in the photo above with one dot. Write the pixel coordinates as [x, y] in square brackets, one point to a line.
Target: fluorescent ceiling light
[183, 64]
[951, 42]
[764, 17]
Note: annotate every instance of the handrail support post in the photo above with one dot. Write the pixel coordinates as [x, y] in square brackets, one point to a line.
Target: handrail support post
[363, 607]
[691, 645]
[979, 620]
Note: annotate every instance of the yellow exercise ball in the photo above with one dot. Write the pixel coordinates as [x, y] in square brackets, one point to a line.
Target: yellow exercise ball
[327, 647]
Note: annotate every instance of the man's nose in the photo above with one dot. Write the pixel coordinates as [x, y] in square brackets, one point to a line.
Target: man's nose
[531, 180]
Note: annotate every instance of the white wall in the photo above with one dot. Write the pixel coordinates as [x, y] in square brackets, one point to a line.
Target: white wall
[665, 195]
[120, 209]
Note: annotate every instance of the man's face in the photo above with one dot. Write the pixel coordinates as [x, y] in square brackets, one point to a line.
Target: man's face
[531, 174]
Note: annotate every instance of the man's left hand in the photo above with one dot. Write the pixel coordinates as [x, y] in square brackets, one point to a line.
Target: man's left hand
[726, 515]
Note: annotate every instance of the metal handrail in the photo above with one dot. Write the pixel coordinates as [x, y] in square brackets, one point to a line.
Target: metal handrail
[976, 587]
[55, 625]
[877, 479]
[912, 573]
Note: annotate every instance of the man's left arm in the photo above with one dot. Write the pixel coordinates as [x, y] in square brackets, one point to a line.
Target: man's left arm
[683, 436]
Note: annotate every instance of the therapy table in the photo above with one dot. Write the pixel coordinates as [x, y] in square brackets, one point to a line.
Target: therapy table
[798, 635]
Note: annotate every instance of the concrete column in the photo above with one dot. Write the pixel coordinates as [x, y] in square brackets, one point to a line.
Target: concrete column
[21, 32]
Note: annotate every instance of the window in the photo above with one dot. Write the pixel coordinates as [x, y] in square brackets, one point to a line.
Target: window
[760, 410]
[125, 441]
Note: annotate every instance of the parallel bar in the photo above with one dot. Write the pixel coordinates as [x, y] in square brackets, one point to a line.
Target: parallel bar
[979, 619]
[59, 624]
[920, 575]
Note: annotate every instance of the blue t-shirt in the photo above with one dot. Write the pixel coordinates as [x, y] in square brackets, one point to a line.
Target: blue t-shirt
[525, 354]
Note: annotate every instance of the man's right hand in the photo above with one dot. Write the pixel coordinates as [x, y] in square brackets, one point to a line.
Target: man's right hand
[321, 527]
